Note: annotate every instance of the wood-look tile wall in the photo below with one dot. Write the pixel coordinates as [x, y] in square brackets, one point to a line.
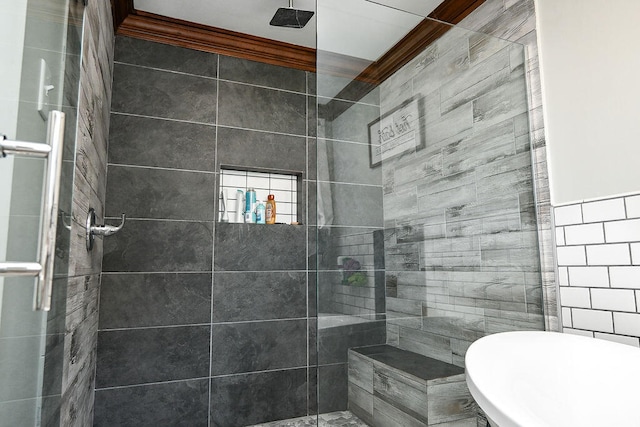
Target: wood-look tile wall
[461, 219]
[89, 189]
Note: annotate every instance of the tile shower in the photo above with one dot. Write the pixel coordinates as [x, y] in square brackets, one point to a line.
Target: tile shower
[209, 323]
[206, 314]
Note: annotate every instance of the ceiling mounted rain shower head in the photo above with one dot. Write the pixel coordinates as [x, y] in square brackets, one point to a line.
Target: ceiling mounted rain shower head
[290, 17]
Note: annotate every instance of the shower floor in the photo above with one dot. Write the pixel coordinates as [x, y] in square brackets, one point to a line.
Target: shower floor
[332, 419]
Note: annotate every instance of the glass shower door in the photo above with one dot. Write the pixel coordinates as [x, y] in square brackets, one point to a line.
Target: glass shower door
[40, 51]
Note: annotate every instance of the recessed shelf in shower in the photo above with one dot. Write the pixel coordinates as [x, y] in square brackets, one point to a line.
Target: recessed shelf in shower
[284, 186]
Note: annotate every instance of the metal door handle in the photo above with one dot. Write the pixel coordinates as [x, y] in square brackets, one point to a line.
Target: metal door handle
[52, 150]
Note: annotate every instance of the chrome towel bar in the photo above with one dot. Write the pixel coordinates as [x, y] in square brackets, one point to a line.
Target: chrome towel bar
[52, 151]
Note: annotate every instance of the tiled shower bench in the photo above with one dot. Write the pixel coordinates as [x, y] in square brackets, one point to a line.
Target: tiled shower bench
[393, 387]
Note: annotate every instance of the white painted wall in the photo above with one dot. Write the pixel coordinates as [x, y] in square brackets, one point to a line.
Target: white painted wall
[590, 65]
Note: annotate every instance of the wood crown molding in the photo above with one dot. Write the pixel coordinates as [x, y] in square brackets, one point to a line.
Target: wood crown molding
[121, 9]
[441, 20]
[162, 29]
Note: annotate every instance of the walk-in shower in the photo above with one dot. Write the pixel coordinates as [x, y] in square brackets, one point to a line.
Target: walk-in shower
[427, 224]
[410, 216]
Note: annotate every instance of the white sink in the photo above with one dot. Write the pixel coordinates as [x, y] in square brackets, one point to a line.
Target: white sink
[552, 379]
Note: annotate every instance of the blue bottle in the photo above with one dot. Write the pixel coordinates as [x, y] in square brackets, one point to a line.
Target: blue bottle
[260, 213]
[250, 206]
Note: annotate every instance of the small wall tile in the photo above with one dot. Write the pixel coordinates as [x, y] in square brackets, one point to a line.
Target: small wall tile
[605, 210]
[575, 297]
[560, 241]
[578, 332]
[635, 342]
[563, 276]
[625, 277]
[592, 320]
[566, 215]
[613, 299]
[623, 231]
[571, 255]
[566, 317]
[633, 206]
[635, 253]
[588, 276]
[618, 254]
[584, 234]
[627, 323]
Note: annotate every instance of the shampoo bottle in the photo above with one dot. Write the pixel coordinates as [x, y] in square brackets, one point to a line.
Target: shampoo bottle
[270, 214]
[260, 209]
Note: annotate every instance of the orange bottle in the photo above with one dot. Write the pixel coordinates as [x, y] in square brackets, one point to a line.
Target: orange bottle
[270, 214]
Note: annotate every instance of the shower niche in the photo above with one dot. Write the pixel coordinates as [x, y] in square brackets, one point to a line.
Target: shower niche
[286, 186]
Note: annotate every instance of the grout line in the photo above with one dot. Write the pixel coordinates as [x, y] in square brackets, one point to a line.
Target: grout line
[217, 77]
[213, 242]
[150, 384]
[122, 113]
[123, 165]
[197, 221]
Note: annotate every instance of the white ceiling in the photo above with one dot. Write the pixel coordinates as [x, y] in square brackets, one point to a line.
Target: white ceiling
[359, 28]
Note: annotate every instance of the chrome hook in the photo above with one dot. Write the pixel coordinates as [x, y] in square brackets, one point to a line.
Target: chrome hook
[99, 230]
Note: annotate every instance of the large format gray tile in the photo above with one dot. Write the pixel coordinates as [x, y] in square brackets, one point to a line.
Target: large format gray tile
[149, 246]
[164, 143]
[137, 356]
[258, 346]
[160, 193]
[332, 388]
[26, 186]
[167, 57]
[161, 299]
[348, 163]
[261, 74]
[240, 400]
[148, 92]
[352, 204]
[352, 123]
[253, 247]
[259, 296]
[18, 357]
[252, 107]
[182, 403]
[252, 149]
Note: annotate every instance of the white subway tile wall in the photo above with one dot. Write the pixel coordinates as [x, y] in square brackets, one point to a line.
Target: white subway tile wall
[598, 258]
[284, 188]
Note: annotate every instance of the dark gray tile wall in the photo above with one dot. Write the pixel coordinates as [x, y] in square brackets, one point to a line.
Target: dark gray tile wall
[208, 320]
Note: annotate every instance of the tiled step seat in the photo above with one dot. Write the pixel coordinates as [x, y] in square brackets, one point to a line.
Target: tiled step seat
[393, 387]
